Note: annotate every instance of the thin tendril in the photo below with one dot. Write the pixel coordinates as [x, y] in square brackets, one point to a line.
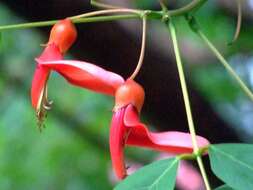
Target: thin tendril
[239, 21]
[196, 28]
[103, 5]
[143, 44]
[109, 11]
[163, 6]
[230, 70]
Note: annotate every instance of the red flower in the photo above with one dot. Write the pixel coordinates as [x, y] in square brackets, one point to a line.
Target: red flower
[126, 129]
[62, 36]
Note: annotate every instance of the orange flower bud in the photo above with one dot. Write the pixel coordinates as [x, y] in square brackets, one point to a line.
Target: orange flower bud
[129, 93]
[63, 34]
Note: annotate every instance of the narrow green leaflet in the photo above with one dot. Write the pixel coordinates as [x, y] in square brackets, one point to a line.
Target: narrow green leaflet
[224, 187]
[233, 164]
[160, 175]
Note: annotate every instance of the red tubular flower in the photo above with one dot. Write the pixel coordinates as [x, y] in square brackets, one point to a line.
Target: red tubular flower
[126, 129]
[62, 36]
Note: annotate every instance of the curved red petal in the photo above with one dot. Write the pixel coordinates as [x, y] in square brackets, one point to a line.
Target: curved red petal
[86, 75]
[38, 85]
[51, 52]
[117, 142]
[172, 142]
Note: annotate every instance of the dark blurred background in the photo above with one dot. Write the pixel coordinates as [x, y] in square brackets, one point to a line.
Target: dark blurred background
[72, 152]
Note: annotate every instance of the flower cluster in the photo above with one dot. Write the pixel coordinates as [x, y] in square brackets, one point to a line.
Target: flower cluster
[126, 127]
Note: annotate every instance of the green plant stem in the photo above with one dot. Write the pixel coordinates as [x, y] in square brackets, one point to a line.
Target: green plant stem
[158, 15]
[187, 103]
[194, 5]
[106, 18]
[107, 11]
[194, 156]
[103, 5]
[183, 86]
[239, 21]
[225, 64]
[79, 20]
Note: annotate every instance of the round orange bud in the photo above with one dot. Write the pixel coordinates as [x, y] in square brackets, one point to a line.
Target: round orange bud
[129, 93]
[63, 34]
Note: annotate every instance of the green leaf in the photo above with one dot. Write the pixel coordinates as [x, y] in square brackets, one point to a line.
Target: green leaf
[233, 164]
[224, 187]
[160, 175]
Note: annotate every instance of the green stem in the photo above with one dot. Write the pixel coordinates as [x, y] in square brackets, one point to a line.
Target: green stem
[151, 15]
[106, 18]
[183, 85]
[107, 11]
[79, 20]
[187, 103]
[225, 64]
[203, 172]
[103, 5]
[194, 156]
[239, 22]
[194, 5]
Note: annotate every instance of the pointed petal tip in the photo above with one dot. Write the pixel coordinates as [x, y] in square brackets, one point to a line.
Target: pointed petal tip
[38, 84]
[51, 52]
[117, 143]
[171, 141]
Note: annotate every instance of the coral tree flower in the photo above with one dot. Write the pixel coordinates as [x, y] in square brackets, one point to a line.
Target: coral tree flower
[126, 129]
[62, 36]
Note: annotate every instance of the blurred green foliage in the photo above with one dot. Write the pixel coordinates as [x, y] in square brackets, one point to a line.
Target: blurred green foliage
[59, 157]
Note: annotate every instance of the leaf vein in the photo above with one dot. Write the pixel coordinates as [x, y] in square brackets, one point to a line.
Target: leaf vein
[233, 158]
[165, 171]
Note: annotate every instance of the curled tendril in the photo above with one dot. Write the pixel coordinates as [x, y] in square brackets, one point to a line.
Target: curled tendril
[239, 21]
[143, 44]
[103, 5]
[163, 6]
